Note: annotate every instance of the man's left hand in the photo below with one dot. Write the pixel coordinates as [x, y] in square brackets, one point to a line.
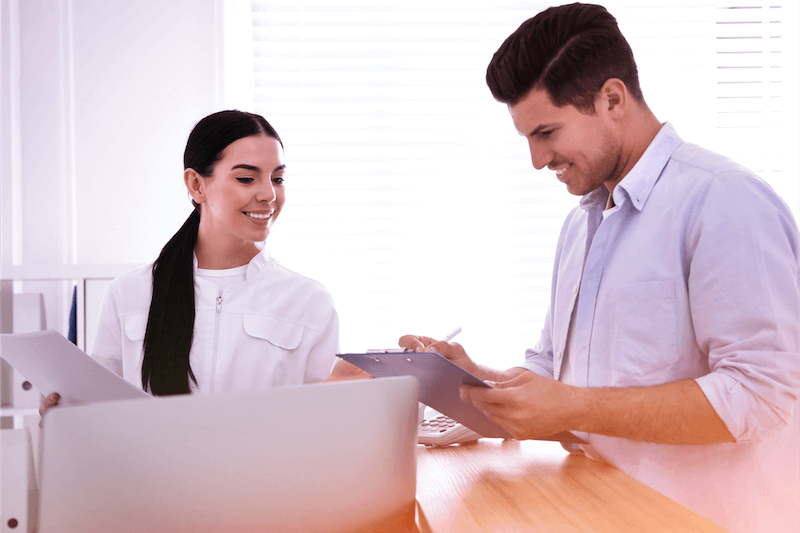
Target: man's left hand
[529, 406]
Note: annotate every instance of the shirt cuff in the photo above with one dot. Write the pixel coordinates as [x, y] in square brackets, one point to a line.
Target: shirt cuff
[537, 367]
[747, 417]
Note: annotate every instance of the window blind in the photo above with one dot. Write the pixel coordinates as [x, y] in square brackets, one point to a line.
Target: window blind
[757, 99]
[409, 193]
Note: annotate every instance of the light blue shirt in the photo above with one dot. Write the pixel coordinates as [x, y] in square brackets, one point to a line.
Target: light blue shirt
[693, 275]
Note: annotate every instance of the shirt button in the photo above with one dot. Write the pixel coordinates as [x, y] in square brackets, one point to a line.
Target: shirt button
[575, 289]
[558, 355]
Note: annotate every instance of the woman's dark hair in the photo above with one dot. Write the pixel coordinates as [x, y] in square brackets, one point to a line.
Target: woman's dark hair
[570, 51]
[170, 322]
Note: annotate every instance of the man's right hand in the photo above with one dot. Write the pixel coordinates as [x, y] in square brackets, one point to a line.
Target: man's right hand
[451, 350]
[49, 401]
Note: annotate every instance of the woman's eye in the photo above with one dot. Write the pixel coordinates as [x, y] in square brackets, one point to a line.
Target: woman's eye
[277, 180]
[245, 180]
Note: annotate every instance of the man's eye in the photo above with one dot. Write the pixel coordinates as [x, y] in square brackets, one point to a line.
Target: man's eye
[244, 180]
[546, 133]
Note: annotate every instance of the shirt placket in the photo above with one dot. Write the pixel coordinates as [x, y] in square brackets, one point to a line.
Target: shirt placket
[601, 236]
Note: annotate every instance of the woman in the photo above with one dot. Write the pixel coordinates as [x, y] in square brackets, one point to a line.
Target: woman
[215, 312]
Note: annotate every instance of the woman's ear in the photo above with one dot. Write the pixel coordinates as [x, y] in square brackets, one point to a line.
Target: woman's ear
[194, 184]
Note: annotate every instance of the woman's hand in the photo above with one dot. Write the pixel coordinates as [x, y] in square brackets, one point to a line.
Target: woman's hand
[344, 371]
[49, 401]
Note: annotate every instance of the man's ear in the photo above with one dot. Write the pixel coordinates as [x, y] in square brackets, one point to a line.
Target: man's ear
[613, 98]
[194, 184]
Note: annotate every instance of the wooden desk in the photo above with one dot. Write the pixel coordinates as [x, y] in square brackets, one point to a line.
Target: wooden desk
[513, 486]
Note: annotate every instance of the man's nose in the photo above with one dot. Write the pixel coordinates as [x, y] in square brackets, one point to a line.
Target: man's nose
[540, 156]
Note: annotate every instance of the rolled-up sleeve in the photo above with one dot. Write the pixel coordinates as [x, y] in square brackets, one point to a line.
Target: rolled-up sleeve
[745, 305]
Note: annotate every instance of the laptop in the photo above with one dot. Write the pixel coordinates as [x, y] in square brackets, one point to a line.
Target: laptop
[325, 457]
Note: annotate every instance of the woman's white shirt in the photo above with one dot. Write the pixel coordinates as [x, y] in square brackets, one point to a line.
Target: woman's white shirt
[274, 328]
[223, 278]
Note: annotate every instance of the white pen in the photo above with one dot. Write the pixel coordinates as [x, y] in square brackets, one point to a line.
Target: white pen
[447, 338]
[452, 334]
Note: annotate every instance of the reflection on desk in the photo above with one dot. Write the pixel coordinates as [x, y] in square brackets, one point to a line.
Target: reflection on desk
[498, 485]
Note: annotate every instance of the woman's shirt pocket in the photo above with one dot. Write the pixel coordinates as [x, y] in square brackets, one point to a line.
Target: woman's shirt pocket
[281, 334]
[133, 330]
[272, 351]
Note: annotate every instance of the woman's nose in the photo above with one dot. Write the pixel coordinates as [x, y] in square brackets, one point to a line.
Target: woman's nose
[266, 192]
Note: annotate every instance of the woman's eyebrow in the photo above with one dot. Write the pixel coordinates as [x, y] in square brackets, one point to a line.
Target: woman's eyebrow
[246, 167]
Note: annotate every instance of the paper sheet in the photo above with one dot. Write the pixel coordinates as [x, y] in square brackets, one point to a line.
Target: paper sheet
[53, 364]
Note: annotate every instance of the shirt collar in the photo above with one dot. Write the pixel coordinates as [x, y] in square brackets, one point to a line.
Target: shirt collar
[639, 182]
[256, 264]
[598, 198]
[259, 262]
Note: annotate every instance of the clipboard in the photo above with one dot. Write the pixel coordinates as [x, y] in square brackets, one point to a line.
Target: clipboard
[439, 381]
[53, 364]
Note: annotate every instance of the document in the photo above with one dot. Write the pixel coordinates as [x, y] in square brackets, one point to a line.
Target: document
[53, 364]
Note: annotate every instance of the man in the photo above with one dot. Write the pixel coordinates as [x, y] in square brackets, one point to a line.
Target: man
[672, 342]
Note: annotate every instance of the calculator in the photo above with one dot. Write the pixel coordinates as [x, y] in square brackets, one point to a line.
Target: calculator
[436, 429]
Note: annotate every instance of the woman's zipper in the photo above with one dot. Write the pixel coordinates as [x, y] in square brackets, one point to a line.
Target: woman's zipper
[216, 342]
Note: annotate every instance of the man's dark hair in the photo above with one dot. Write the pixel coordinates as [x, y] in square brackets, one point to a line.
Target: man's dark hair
[570, 51]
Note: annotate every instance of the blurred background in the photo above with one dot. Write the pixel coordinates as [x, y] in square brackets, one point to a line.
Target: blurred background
[409, 193]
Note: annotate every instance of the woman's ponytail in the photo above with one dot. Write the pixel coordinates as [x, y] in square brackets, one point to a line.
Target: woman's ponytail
[170, 323]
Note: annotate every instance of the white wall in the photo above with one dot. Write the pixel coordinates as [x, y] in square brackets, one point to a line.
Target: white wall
[98, 98]
[108, 94]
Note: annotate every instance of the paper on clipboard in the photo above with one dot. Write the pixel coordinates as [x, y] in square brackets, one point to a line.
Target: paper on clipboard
[53, 364]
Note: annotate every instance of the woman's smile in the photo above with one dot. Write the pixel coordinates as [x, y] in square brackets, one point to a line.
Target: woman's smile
[259, 216]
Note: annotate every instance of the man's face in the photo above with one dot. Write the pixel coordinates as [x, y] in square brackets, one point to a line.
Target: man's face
[584, 150]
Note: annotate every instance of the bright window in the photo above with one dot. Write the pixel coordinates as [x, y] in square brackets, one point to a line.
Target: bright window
[410, 195]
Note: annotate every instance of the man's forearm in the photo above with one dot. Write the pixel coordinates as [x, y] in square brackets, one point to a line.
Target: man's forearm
[673, 413]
